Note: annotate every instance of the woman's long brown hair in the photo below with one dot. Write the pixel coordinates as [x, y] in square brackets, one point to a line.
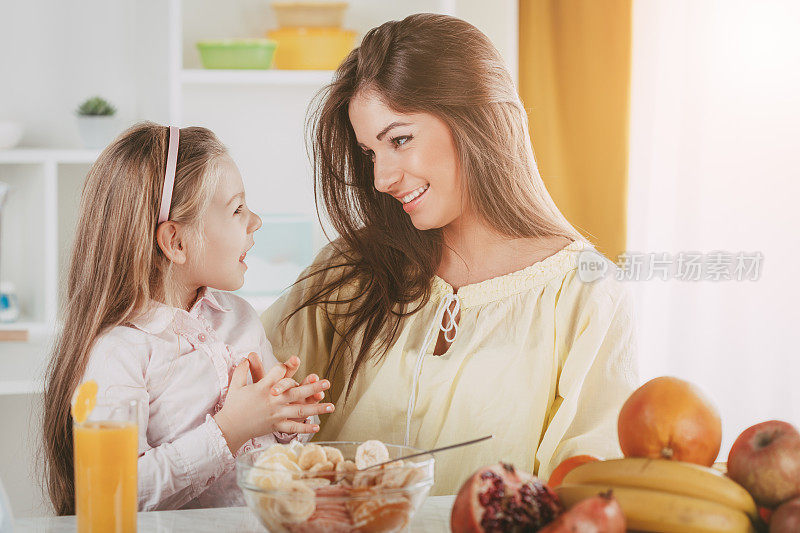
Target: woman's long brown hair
[425, 63]
[117, 267]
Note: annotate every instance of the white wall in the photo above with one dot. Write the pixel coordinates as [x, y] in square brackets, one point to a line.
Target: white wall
[19, 449]
[56, 54]
[715, 132]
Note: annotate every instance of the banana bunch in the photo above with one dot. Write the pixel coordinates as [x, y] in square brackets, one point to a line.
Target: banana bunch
[665, 496]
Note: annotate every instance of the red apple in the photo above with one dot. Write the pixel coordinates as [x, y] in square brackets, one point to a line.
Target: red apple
[786, 519]
[765, 460]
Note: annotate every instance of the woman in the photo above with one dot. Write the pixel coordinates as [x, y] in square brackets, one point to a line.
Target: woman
[450, 307]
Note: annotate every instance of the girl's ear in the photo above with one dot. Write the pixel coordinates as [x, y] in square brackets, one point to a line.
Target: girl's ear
[168, 235]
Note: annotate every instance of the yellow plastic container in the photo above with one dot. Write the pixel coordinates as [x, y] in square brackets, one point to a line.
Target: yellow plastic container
[311, 48]
[307, 14]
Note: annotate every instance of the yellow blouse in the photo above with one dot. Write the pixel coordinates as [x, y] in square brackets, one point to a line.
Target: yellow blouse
[541, 360]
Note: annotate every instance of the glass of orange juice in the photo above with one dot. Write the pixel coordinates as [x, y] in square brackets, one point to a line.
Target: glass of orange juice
[106, 453]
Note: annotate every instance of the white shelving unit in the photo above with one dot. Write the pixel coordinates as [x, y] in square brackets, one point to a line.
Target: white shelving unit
[45, 184]
[45, 156]
[43, 165]
[21, 386]
[258, 115]
[316, 78]
[180, 76]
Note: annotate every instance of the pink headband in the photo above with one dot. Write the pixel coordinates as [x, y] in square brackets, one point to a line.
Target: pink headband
[169, 175]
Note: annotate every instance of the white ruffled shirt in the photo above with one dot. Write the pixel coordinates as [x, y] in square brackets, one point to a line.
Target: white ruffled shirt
[178, 365]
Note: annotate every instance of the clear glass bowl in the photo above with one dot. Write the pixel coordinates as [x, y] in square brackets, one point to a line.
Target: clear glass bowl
[286, 498]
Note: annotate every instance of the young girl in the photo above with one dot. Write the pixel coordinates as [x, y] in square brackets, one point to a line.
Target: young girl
[163, 223]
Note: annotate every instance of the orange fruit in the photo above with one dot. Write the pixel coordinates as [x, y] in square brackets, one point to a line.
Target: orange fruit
[557, 477]
[669, 418]
[83, 400]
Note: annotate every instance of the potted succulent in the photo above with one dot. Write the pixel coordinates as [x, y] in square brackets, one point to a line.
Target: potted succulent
[96, 122]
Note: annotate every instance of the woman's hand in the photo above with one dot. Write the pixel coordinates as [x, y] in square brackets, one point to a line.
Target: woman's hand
[252, 410]
[292, 364]
[257, 367]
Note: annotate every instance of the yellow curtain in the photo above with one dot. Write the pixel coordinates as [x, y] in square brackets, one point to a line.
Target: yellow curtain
[574, 79]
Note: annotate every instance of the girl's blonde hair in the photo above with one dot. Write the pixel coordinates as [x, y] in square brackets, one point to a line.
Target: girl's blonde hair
[117, 268]
[425, 63]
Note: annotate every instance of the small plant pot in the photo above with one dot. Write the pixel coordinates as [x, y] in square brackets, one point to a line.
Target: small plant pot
[97, 131]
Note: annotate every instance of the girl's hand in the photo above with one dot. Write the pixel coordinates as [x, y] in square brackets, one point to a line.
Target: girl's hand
[285, 384]
[251, 411]
[257, 367]
[292, 364]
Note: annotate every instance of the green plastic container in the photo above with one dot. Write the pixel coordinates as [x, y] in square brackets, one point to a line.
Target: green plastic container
[237, 53]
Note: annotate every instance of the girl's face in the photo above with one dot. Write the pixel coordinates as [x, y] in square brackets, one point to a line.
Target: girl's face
[228, 229]
[414, 160]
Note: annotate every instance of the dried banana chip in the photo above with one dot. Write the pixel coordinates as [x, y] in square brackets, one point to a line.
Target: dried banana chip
[278, 459]
[326, 466]
[276, 476]
[371, 453]
[394, 478]
[296, 447]
[333, 455]
[368, 479]
[295, 505]
[280, 449]
[311, 455]
[346, 466]
[380, 514]
[316, 482]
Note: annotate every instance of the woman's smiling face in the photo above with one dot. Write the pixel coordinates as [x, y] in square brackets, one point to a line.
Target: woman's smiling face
[414, 160]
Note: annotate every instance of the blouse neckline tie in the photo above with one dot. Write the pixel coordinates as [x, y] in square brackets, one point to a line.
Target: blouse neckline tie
[449, 326]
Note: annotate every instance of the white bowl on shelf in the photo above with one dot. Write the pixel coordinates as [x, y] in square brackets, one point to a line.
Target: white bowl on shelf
[10, 134]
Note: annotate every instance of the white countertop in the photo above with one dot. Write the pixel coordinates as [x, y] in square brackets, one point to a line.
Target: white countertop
[432, 517]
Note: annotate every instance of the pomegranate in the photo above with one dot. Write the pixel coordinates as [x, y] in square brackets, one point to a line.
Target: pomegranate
[500, 498]
[786, 518]
[668, 418]
[598, 514]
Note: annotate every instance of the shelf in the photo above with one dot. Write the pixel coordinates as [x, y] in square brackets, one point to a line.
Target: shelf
[24, 331]
[45, 155]
[21, 386]
[256, 77]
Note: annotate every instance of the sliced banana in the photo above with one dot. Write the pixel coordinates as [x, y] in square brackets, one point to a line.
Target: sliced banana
[278, 459]
[277, 476]
[402, 477]
[346, 466]
[280, 449]
[311, 455]
[316, 482]
[325, 466]
[368, 479]
[371, 453]
[333, 455]
[295, 507]
[296, 447]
